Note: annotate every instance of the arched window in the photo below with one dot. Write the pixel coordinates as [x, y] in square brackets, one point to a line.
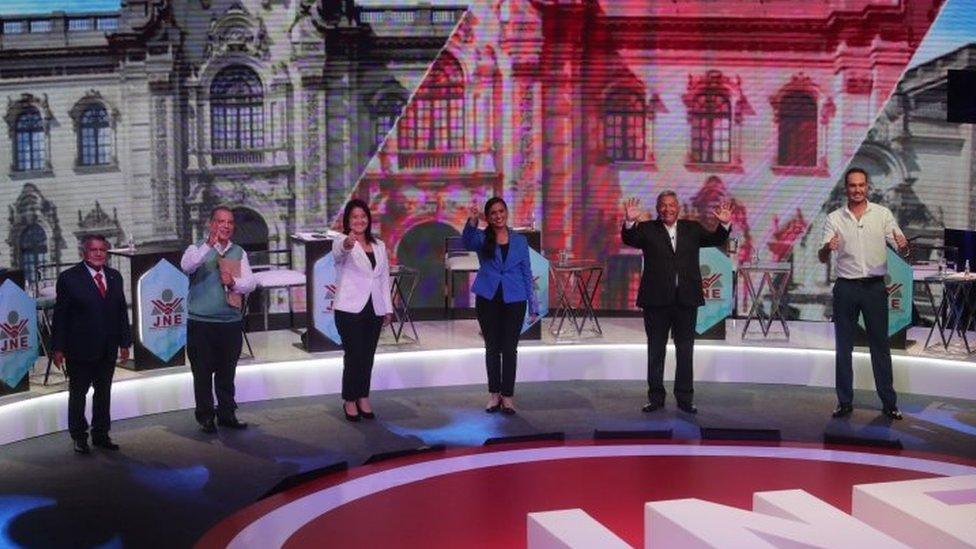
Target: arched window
[797, 130]
[434, 121]
[94, 137]
[33, 249]
[711, 128]
[31, 141]
[385, 114]
[623, 126]
[236, 110]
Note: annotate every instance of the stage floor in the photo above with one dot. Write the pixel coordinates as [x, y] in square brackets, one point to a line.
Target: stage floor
[285, 345]
[170, 483]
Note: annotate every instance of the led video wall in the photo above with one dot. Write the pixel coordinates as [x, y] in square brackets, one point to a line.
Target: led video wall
[135, 122]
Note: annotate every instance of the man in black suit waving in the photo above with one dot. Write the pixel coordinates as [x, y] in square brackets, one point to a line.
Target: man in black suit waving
[671, 289]
[91, 327]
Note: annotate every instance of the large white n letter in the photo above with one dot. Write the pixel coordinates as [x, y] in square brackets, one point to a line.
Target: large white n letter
[787, 518]
[570, 529]
[932, 512]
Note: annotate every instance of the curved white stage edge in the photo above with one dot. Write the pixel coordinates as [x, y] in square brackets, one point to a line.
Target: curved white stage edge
[172, 389]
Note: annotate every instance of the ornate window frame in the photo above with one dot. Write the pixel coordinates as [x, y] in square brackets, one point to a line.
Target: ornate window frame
[801, 83]
[650, 104]
[382, 115]
[94, 99]
[713, 82]
[17, 107]
[422, 118]
[250, 153]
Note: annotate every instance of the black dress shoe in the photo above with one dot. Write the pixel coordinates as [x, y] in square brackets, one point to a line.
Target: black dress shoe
[842, 410]
[81, 447]
[688, 407]
[508, 410]
[104, 443]
[493, 409]
[652, 406]
[208, 426]
[893, 413]
[232, 423]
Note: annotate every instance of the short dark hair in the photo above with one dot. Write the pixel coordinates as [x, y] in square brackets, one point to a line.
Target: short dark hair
[347, 213]
[89, 237]
[663, 194]
[215, 209]
[849, 171]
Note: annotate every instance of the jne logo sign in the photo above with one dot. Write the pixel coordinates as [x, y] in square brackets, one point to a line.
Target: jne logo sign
[712, 286]
[932, 512]
[14, 333]
[894, 294]
[168, 311]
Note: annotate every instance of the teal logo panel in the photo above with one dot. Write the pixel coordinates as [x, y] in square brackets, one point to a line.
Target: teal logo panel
[717, 283]
[18, 333]
[323, 297]
[540, 285]
[162, 293]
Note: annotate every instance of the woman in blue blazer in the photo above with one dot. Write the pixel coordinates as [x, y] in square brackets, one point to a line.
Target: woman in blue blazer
[504, 288]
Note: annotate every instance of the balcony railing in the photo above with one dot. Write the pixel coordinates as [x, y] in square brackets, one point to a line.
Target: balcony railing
[430, 160]
[411, 16]
[237, 157]
[95, 22]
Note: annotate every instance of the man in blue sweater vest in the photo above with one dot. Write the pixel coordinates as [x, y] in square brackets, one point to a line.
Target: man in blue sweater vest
[220, 278]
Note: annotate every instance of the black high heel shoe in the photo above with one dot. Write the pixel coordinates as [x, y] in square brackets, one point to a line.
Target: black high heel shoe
[365, 415]
[350, 417]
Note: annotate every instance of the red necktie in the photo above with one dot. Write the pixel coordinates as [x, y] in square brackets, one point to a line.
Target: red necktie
[100, 283]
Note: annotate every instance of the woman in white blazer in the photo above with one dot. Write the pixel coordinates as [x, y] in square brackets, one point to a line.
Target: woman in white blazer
[362, 304]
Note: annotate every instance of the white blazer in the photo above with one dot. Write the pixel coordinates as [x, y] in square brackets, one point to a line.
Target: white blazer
[357, 280]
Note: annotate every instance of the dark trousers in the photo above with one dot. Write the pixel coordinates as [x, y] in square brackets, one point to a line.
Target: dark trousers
[870, 298]
[82, 375]
[213, 349]
[658, 323]
[501, 325]
[360, 333]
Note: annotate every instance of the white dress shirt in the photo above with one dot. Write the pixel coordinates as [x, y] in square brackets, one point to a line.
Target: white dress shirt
[862, 241]
[194, 256]
[93, 272]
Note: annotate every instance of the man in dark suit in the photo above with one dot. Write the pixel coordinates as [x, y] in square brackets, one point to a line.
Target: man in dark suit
[671, 289]
[91, 328]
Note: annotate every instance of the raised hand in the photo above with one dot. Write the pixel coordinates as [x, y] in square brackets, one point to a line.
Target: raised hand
[632, 210]
[723, 212]
[474, 214]
[212, 237]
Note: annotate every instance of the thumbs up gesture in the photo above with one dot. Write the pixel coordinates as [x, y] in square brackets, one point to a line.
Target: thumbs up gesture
[834, 243]
[900, 240]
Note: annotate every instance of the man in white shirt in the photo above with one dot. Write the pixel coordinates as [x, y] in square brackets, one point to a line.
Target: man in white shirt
[857, 234]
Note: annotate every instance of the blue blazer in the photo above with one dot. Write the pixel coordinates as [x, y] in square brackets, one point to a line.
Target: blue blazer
[514, 274]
